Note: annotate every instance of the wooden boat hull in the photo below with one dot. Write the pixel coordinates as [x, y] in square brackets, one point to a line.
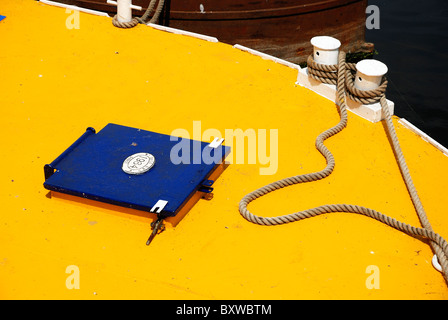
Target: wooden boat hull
[279, 28]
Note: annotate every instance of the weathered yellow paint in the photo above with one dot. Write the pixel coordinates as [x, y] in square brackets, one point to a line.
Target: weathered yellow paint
[57, 81]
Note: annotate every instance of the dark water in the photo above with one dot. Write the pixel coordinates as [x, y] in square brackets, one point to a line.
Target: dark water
[413, 42]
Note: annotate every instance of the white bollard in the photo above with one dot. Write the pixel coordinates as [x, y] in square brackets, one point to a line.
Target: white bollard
[326, 49]
[124, 9]
[369, 73]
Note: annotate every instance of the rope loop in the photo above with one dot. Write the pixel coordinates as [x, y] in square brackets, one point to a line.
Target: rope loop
[143, 19]
[342, 76]
[124, 25]
[329, 74]
[363, 96]
[322, 72]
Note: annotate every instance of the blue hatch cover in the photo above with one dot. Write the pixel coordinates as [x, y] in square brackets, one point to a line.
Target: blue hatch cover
[135, 168]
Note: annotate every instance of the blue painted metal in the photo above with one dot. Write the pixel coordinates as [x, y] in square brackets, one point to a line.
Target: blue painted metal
[92, 168]
[50, 168]
[2, 17]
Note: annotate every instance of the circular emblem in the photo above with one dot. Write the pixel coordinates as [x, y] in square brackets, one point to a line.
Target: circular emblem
[138, 163]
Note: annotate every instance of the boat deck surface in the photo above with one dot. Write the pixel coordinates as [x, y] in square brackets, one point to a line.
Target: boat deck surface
[57, 81]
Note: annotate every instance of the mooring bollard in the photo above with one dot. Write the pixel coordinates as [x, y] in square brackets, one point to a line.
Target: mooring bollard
[326, 50]
[369, 74]
[124, 9]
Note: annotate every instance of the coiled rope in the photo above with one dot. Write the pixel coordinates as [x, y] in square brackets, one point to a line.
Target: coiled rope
[144, 18]
[124, 25]
[342, 76]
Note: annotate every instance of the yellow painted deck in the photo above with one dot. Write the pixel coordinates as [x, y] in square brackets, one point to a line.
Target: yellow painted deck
[56, 82]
